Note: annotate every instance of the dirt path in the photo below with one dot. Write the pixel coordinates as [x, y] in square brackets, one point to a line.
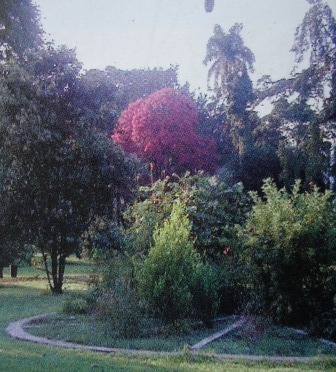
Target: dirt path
[15, 330]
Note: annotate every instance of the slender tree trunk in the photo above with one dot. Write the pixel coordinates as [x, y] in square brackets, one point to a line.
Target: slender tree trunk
[53, 257]
[13, 271]
[61, 269]
[45, 261]
[57, 271]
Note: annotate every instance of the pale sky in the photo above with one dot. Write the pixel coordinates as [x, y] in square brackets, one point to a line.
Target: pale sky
[131, 34]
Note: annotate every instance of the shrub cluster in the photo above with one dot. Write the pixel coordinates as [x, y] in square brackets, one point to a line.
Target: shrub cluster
[290, 247]
[279, 263]
[162, 290]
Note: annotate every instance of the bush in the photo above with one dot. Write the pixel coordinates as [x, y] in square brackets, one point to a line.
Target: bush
[290, 247]
[325, 324]
[164, 278]
[213, 208]
[172, 279]
[76, 304]
[119, 309]
[205, 293]
[116, 299]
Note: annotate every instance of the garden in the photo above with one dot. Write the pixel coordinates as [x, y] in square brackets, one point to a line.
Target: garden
[80, 329]
[154, 228]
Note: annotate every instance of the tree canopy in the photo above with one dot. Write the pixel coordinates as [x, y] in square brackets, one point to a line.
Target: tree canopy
[105, 94]
[162, 130]
[58, 171]
[20, 27]
[230, 62]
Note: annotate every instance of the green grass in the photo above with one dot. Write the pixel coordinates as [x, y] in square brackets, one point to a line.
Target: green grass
[273, 341]
[74, 267]
[24, 299]
[85, 330]
[254, 338]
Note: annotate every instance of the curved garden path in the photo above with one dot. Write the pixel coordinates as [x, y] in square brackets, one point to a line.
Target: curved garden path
[15, 330]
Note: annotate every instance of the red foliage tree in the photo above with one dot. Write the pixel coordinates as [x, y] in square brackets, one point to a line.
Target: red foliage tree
[162, 130]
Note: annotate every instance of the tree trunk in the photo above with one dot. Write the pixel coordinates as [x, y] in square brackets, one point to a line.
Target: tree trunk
[61, 268]
[47, 269]
[13, 271]
[1, 272]
[54, 267]
[57, 272]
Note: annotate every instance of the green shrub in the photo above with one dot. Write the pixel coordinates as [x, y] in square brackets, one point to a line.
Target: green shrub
[119, 309]
[172, 279]
[76, 304]
[164, 278]
[116, 299]
[290, 248]
[213, 207]
[205, 293]
[325, 324]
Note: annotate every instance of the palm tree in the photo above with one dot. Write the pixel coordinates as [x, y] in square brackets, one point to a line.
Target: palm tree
[230, 62]
[229, 57]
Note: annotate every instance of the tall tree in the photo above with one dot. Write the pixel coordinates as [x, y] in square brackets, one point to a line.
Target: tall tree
[59, 171]
[305, 104]
[316, 38]
[163, 130]
[105, 94]
[315, 42]
[230, 62]
[140, 83]
[20, 27]
[212, 123]
[303, 152]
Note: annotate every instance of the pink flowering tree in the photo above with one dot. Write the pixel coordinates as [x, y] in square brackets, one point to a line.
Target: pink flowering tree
[162, 129]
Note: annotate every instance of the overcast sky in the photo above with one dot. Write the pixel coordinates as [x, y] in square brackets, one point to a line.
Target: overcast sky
[131, 34]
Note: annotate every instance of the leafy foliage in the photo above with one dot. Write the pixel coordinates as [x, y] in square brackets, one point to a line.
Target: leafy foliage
[164, 278]
[213, 208]
[103, 95]
[172, 274]
[229, 56]
[103, 239]
[162, 130]
[115, 300]
[303, 153]
[206, 286]
[304, 105]
[230, 62]
[20, 28]
[290, 249]
[140, 83]
[58, 172]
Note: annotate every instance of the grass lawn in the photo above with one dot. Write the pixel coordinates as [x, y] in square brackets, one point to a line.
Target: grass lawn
[74, 267]
[248, 340]
[257, 339]
[85, 330]
[19, 299]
